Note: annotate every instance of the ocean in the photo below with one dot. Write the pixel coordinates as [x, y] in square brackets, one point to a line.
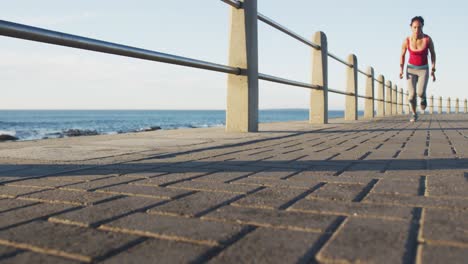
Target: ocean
[41, 124]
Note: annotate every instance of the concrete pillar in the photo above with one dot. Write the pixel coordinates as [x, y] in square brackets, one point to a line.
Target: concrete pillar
[457, 106]
[440, 106]
[388, 98]
[242, 94]
[408, 108]
[400, 102]
[394, 99]
[380, 96]
[318, 113]
[369, 102]
[352, 87]
[449, 106]
[431, 106]
[466, 106]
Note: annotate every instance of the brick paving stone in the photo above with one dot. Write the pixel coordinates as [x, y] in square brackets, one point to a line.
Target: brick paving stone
[39, 182]
[338, 191]
[353, 209]
[446, 225]
[168, 178]
[272, 218]
[29, 213]
[194, 204]
[435, 254]
[68, 197]
[98, 184]
[214, 187]
[77, 178]
[274, 183]
[272, 198]
[11, 204]
[14, 191]
[319, 171]
[405, 175]
[143, 191]
[61, 240]
[273, 174]
[306, 177]
[406, 187]
[160, 251]
[27, 257]
[174, 228]
[143, 174]
[223, 176]
[456, 185]
[278, 246]
[6, 252]
[417, 201]
[365, 170]
[95, 214]
[233, 167]
[367, 241]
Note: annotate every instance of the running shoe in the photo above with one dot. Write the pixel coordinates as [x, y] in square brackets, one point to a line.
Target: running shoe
[423, 104]
[414, 117]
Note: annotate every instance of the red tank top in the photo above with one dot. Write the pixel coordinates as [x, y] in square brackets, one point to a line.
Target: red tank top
[418, 57]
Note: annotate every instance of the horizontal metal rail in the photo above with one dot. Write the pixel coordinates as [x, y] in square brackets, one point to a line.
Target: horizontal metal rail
[233, 3]
[365, 97]
[340, 60]
[338, 92]
[21, 31]
[285, 30]
[378, 81]
[270, 78]
[365, 73]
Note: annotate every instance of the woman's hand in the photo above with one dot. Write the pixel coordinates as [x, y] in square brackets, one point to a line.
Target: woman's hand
[433, 74]
[401, 74]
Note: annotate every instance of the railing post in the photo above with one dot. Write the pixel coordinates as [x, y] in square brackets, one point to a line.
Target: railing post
[449, 106]
[394, 99]
[242, 94]
[466, 106]
[318, 113]
[369, 102]
[400, 102]
[440, 106]
[381, 96]
[457, 106]
[351, 100]
[408, 108]
[388, 98]
[431, 107]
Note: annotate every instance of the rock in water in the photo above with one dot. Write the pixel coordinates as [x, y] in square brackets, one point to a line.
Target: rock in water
[4, 137]
[79, 132]
[153, 128]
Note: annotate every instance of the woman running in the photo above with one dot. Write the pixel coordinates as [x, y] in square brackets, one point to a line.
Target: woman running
[417, 71]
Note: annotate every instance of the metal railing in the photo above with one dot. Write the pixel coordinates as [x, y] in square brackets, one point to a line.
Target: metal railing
[388, 94]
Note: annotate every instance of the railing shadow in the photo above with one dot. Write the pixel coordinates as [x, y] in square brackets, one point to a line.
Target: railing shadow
[13, 173]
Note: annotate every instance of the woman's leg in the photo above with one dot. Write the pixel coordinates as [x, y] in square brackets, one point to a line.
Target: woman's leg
[423, 76]
[412, 77]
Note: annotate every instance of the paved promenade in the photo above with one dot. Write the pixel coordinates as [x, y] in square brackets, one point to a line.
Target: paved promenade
[385, 191]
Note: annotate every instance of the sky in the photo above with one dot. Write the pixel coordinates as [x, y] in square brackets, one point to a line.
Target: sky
[35, 75]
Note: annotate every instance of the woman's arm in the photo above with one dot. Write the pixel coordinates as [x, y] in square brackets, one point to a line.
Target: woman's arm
[402, 57]
[433, 58]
